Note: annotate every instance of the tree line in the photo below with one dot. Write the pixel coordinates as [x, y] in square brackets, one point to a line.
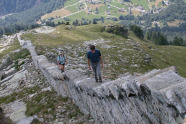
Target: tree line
[155, 37]
[26, 19]
[14, 6]
[10, 29]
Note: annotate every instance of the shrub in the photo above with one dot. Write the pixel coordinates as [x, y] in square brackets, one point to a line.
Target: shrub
[116, 29]
[137, 30]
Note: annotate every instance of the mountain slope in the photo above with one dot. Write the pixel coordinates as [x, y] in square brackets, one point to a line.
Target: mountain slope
[27, 12]
[120, 55]
[14, 6]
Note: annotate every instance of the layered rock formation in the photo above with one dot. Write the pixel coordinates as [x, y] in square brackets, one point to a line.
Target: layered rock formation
[156, 97]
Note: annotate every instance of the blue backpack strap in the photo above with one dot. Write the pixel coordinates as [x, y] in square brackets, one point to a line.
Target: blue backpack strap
[64, 57]
[59, 58]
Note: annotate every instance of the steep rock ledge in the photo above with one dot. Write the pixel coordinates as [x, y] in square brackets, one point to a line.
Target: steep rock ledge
[156, 97]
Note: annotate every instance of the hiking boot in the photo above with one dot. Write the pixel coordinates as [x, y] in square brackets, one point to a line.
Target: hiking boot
[96, 80]
[100, 80]
[62, 70]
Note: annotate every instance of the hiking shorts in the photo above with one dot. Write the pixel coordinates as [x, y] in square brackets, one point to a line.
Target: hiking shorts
[62, 64]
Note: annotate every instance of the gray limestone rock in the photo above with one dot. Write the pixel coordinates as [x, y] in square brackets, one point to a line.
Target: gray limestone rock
[147, 59]
[5, 63]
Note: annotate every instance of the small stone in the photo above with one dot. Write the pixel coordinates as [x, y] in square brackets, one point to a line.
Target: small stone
[147, 59]
[46, 89]
[59, 107]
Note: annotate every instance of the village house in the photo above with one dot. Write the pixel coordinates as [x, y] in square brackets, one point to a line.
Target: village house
[166, 2]
[146, 12]
[107, 10]
[108, 13]
[96, 12]
[140, 7]
[158, 10]
[121, 10]
[89, 10]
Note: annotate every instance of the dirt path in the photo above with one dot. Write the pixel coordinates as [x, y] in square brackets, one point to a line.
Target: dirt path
[114, 6]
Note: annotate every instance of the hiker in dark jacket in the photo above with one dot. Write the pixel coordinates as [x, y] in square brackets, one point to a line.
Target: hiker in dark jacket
[61, 59]
[94, 57]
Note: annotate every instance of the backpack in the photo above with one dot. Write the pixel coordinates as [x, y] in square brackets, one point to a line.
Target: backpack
[60, 57]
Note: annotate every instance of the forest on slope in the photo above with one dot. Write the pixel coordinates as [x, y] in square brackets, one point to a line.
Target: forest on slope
[14, 6]
[25, 13]
[29, 15]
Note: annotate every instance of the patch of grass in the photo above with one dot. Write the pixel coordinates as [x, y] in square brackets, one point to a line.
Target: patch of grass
[103, 9]
[72, 9]
[47, 104]
[143, 3]
[159, 4]
[118, 5]
[22, 54]
[70, 2]
[31, 90]
[21, 94]
[80, 123]
[79, 16]
[75, 113]
[16, 65]
[7, 99]
[64, 99]
[14, 46]
[40, 104]
[36, 121]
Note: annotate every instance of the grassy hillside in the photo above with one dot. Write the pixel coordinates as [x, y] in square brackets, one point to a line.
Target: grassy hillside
[14, 46]
[27, 12]
[143, 3]
[120, 55]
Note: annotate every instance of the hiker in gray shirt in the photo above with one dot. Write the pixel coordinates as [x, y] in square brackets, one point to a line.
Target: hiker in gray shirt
[94, 57]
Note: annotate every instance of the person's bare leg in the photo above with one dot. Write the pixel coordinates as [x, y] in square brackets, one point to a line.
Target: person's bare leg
[63, 68]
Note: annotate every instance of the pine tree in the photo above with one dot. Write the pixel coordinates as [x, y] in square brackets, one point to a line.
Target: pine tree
[147, 36]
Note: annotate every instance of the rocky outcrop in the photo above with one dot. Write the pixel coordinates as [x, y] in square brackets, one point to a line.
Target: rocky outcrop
[156, 97]
[5, 63]
[3, 119]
